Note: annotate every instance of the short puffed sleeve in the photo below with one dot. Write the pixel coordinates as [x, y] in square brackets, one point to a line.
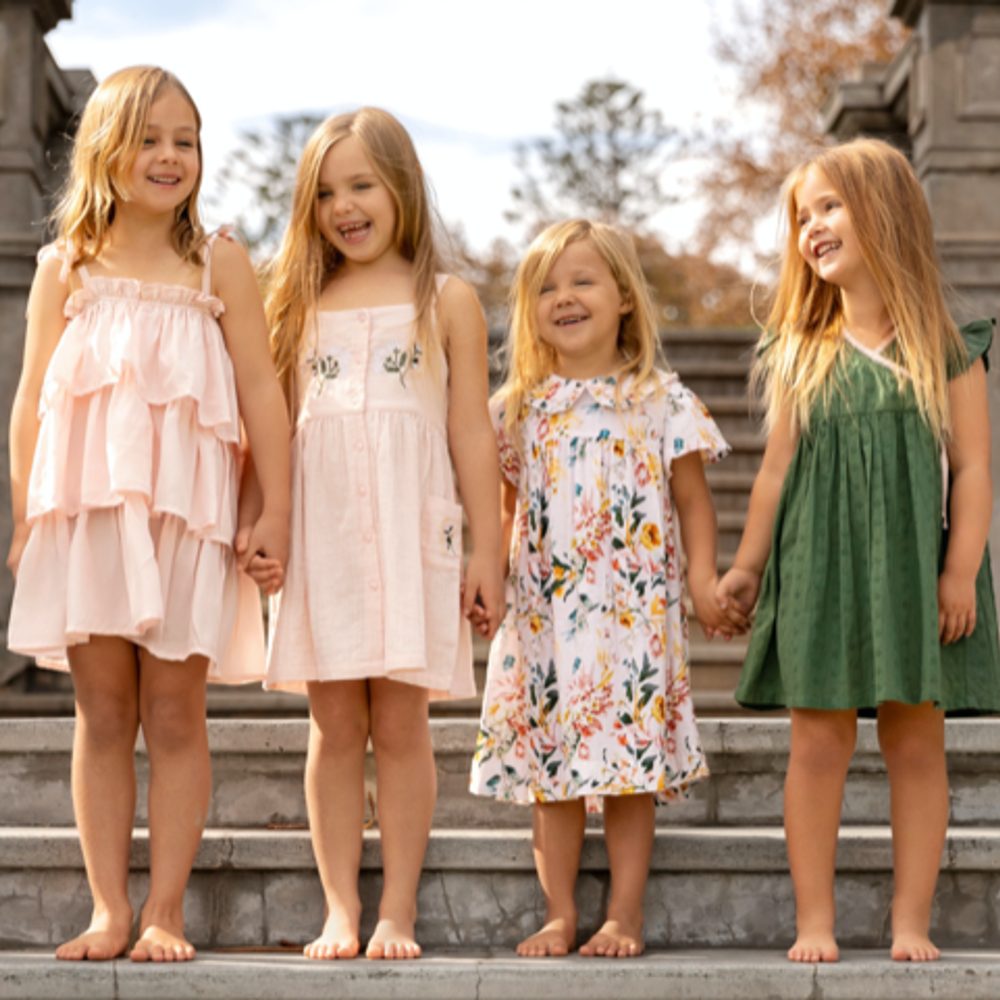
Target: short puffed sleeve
[510, 457]
[689, 426]
[977, 337]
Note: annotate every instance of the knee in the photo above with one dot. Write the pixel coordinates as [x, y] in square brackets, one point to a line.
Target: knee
[824, 744]
[911, 749]
[337, 728]
[173, 722]
[107, 718]
[398, 733]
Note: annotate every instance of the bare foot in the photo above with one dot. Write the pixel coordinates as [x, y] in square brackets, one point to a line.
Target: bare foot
[157, 944]
[556, 938]
[909, 947]
[820, 946]
[338, 939]
[392, 939]
[616, 939]
[104, 939]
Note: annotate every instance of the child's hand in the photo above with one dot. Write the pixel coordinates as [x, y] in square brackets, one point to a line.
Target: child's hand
[956, 606]
[262, 551]
[482, 595]
[710, 613]
[736, 594]
[17, 543]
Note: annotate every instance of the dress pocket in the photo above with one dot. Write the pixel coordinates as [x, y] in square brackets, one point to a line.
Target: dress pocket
[441, 554]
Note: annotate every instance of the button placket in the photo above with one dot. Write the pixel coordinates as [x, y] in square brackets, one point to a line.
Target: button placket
[360, 356]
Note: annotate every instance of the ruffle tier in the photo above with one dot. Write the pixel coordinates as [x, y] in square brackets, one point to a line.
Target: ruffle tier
[133, 493]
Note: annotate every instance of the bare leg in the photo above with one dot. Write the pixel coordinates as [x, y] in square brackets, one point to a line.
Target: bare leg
[407, 789]
[629, 826]
[105, 679]
[557, 829]
[172, 710]
[335, 795]
[912, 741]
[822, 746]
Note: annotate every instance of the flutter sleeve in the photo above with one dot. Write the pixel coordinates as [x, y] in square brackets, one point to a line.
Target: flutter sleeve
[510, 457]
[978, 336]
[689, 426]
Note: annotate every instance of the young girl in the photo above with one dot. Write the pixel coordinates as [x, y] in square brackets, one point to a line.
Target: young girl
[141, 336]
[879, 436]
[383, 360]
[588, 691]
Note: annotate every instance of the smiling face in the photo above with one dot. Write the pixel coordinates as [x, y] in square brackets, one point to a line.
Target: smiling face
[167, 166]
[827, 239]
[579, 312]
[355, 211]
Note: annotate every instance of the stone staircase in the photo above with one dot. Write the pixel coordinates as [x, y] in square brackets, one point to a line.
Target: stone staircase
[719, 905]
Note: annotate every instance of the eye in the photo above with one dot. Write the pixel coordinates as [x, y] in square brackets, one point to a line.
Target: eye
[363, 185]
[583, 281]
[545, 289]
[148, 141]
[322, 195]
[186, 144]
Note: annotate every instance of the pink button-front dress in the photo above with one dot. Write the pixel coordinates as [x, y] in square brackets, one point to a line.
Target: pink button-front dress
[374, 570]
[134, 484]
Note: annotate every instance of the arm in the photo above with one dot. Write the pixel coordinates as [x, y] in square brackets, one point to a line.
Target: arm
[696, 512]
[46, 323]
[473, 449]
[508, 509]
[970, 503]
[738, 588]
[262, 404]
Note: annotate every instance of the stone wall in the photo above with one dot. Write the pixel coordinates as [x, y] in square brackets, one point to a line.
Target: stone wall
[37, 104]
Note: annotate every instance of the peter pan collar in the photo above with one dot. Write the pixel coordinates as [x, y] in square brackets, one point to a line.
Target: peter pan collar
[557, 394]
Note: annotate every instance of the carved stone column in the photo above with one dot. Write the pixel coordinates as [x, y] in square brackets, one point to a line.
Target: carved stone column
[37, 103]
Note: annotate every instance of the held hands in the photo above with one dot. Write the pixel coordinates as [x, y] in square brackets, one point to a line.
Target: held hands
[715, 619]
[483, 595]
[736, 594]
[956, 606]
[262, 551]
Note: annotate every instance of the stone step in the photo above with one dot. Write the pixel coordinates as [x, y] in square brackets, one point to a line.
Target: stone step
[682, 346]
[734, 415]
[474, 974]
[258, 767]
[710, 377]
[708, 888]
[730, 487]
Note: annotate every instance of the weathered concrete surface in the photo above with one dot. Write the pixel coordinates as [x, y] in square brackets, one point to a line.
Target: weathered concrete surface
[708, 888]
[258, 766]
[674, 975]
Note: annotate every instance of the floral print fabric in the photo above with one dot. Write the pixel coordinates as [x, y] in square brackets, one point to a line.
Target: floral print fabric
[588, 689]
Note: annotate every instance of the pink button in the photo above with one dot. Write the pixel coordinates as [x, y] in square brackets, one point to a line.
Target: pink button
[362, 491]
[373, 584]
[367, 536]
[359, 445]
[362, 315]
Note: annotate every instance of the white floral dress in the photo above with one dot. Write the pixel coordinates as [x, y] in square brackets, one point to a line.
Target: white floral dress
[588, 690]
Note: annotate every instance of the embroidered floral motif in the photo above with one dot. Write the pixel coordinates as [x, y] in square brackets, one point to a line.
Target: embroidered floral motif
[325, 368]
[448, 531]
[400, 360]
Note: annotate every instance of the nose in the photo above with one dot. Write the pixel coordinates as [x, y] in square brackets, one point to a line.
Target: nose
[564, 295]
[342, 203]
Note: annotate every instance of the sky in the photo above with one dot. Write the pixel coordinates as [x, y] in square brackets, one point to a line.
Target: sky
[468, 79]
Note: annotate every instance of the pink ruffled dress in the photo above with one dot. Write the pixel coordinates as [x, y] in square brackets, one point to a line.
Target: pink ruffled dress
[374, 566]
[134, 485]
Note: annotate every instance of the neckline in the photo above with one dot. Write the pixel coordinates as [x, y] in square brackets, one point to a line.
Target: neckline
[89, 276]
[878, 349]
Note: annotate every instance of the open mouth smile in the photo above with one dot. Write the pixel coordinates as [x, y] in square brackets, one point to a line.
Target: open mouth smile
[354, 232]
[820, 250]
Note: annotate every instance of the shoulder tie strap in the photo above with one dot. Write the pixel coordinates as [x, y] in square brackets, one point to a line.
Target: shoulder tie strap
[226, 232]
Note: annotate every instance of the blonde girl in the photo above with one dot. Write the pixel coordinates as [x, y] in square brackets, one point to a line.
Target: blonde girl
[143, 336]
[588, 689]
[878, 440]
[383, 359]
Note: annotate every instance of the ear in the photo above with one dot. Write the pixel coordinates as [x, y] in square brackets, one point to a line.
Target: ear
[627, 305]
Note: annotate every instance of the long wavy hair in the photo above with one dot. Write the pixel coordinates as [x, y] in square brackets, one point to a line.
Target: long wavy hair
[891, 218]
[530, 359]
[306, 260]
[110, 134]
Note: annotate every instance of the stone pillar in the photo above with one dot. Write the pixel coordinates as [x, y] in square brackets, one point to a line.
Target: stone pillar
[37, 103]
[954, 125]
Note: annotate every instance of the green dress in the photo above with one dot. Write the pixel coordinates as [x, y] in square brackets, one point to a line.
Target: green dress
[848, 608]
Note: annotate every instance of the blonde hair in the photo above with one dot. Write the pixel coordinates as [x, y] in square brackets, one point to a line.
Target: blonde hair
[892, 221]
[110, 134]
[530, 359]
[305, 260]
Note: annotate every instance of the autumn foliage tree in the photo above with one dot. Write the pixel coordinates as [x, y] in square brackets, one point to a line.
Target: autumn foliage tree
[788, 57]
